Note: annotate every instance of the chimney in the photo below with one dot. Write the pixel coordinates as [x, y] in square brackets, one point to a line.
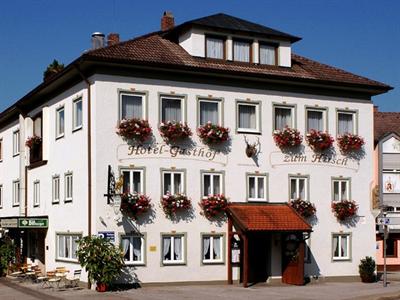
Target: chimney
[167, 21]
[112, 39]
[97, 40]
[376, 108]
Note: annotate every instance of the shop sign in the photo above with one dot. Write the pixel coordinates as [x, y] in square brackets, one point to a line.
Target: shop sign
[9, 223]
[109, 235]
[32, 223]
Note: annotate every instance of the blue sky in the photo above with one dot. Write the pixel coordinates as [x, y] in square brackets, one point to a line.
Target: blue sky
[360, 36]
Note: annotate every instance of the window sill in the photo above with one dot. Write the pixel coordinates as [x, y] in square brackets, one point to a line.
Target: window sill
[60, 137]
[208, 263]
[68, 200]
[15, 154]
[248, 131]
[341, 259]
[257, 200]
[15, 205]
[135, 264]
[68, 260]
[55, 202]
[167, 264]
[77, 129]
[37, 164]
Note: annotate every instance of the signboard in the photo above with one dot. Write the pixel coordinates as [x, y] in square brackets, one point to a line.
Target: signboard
[383, 221]
[389, 221]
[391, 183]
[110, 235]
[32, 223]
[9, 223]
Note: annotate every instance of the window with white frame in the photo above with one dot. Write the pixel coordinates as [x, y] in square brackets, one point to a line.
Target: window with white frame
[172, 182]
[215, 47]
[173, 249]
[16, 143]
[1, 196]
[315, 119]
[77, 114]
[257, 187]
[341, 246]
[60, 122]
[212, 251]
[283, 117]
[172, 109]
[67, 246]
[133, 181]
[211, 184]
[346, 122]
[132, 105]
[268, 54]
[36, 193]
[241, 50]
[16, 193]
[341, 189]
[68, 187]
[56, 189]
[248, 117]
[298, 187]
[209, 111]
[133, 249]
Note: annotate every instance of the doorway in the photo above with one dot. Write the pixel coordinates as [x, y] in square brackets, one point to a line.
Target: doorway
[259, 257]
[293, 259]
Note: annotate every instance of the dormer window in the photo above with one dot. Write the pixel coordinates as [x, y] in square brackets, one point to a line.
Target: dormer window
[268, 54]
[241, 50]
[215, 47]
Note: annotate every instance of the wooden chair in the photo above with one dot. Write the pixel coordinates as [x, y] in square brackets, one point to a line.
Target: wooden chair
[73, 281]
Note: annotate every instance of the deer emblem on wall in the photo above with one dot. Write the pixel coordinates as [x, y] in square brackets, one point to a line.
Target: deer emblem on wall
[252, 149]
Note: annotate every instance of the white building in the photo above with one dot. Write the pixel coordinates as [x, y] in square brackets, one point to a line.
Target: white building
[238, 74]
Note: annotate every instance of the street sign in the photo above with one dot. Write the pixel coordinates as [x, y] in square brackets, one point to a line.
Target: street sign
[389, 221]
[32, 223]
[110, 235]
[384, 221]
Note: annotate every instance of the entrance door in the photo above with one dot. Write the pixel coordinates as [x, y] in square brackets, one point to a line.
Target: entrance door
[258, 257]
[293, 259]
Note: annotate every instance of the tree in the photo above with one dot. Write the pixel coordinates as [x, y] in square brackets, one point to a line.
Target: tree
[52, 69]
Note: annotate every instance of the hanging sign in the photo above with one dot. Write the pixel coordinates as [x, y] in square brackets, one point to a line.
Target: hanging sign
[9, 223]
[109, 235]
[32, 223]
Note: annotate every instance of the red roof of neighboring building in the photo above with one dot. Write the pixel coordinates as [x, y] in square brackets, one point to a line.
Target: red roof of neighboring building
[267, 217]
[385, 123]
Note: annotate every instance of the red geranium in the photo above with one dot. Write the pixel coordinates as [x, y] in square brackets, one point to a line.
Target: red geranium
[344, 209]
[214, 205]
[173, 203]
[318, 140]
[350, 142]
[287, 137]
[134, 129]
[134, 204]
[173, 130]
[211, 133]
[32, 141]
[305, 208]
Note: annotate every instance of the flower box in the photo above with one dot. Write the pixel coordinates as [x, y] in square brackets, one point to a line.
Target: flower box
[287, 137]
[350, 142]
[344, 209]
[305, 208]
[134, 129]
[134, 204]
[33, 141]
[213, 205]
[172, 130]
[318, 140]
[212, 134]
[173, 203]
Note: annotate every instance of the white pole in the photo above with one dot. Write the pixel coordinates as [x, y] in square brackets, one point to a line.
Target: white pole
[385, 233]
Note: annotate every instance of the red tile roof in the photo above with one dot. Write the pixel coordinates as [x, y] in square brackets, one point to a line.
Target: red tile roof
[267, 217]
[385, 123]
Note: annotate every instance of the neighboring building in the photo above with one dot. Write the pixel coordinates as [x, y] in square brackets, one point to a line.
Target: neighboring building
[221, 69]
[387, 181]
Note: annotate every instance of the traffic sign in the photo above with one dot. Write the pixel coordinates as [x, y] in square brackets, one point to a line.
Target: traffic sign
[384, 221]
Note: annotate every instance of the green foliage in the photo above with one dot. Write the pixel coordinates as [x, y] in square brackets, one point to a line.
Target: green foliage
[52, 69]
[102, 259]
[366, 268]
[7, 252]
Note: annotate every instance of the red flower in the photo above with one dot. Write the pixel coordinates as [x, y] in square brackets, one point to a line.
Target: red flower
[134, 204]
[32, 141]
[213, 205]
[318, 140]
[344, 209]
[287, 138]
[350, 142]
[305, 208]
[134, 129]
[211, 133]
[173, 130]
[172, 203]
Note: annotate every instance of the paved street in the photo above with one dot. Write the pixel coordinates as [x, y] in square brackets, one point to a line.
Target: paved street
[12, 289]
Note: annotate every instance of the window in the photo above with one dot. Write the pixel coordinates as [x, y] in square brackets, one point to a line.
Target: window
[345, 122]
[68, 187]
[257, 187]
[172, 182]
[341, 246]
[133, 249]
[241, 51]
[67, 246]
[1, 150]
[210, 111]
[77, 114]
[212, 248]
[16, 193]
[341, 189]
[315, 119]
[132, 105]
[211, 184]
[16, 143]
[1, 196]
[172, 109]
[133, 181]
[248, 117]
[283, 116]
[60, 122]
[173, 249]
[268, 54]
[298, 188]
[36, 193]
[215, 47]
[391, 247]
[56, 189]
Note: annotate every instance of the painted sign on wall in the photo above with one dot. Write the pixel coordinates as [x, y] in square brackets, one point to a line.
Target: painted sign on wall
[391, 183]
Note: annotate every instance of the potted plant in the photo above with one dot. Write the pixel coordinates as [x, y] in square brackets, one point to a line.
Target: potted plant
[213, 205]
[318, 140]
[32, 141]
[305, 208]
[7, 252]
[134, 129]
[350, 142]
[287, 138]
[366, 268]
[34, 144]
[344, 209]
[134, 204]
[173, 203]
[102, 259]
[213, 134]
[172, 130]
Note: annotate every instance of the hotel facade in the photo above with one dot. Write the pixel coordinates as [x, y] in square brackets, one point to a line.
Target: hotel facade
[217, 69]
